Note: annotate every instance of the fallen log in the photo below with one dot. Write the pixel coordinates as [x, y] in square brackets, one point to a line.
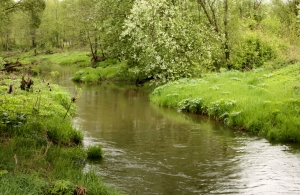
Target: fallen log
[12, 66]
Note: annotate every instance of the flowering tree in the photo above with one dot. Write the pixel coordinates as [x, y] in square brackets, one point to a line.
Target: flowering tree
[165, 40]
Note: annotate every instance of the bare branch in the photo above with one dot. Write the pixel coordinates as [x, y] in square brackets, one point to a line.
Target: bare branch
[14, 6]
[257, 4]
[211, 19]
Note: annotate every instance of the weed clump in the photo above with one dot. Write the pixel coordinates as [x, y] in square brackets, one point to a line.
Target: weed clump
[94, 152]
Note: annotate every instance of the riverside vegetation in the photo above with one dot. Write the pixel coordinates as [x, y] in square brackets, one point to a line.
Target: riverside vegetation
[265, 103]
[40, 151]
[181, 44]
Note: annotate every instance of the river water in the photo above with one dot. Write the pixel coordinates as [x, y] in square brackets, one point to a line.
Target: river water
[154, 150]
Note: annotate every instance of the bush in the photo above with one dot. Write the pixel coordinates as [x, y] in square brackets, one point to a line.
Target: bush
[252, 53]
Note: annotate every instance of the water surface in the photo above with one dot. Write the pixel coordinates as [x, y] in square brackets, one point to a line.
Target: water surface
[153, 150]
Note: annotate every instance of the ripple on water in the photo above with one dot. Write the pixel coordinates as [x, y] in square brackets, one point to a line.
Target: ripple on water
[149, 150]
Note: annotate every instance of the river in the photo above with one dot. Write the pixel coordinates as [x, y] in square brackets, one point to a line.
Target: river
[153, 150]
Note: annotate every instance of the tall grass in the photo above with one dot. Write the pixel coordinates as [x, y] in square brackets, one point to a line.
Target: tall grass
[34, 160]
[262, 102]
[94, 152]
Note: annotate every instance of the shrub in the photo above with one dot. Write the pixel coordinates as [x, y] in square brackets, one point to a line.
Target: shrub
[254, 53]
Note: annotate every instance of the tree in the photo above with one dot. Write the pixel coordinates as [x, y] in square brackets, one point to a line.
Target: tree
[286, 11]
[165, 43]
[52, 26]
[13, 13]
[34, 9]
[7, 7]
[213, 12]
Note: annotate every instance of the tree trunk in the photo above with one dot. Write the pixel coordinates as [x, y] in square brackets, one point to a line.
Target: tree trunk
[33, 42]
[7, 41]
[226, 41]
[96, 43]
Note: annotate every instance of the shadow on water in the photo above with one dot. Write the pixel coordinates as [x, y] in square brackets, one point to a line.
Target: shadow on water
[153, 150]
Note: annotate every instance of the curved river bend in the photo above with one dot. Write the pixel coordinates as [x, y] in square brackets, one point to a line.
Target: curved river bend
[153, 150]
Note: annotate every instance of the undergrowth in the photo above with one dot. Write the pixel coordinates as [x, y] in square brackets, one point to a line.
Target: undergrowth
[265, 103]
[40, 151]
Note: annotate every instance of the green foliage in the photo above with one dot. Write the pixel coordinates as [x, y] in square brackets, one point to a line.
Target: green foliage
[192, 105]
[254, 54]
[160, 40]
[92, 181]
[94, 152]
[2, 62]
[63, 187]
[43, 99]
[87, 75]
[164, 44]
[220, 108]
[40, 152]
[76, 58]
[22, 184]
[14, 120]
[61, 132]
[262, 102]
[110, 70]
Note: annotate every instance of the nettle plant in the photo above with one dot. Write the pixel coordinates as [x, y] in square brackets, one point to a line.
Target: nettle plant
[165, 41]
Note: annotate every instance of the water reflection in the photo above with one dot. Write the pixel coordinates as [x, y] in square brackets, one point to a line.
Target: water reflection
[152, 150]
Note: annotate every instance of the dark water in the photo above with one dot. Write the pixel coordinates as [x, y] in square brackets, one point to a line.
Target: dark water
[153, 150]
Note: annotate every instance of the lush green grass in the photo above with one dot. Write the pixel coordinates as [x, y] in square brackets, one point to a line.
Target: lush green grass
[77, 58]
[40, 151]
[94, 152]
[111, 70]
[262, 102]
[45, 169]
[43, 98]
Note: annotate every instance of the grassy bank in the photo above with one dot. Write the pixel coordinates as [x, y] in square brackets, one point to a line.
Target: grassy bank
[40, 151]
[77, 58]
[108, 70]
[91, 73]
[264, 103]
